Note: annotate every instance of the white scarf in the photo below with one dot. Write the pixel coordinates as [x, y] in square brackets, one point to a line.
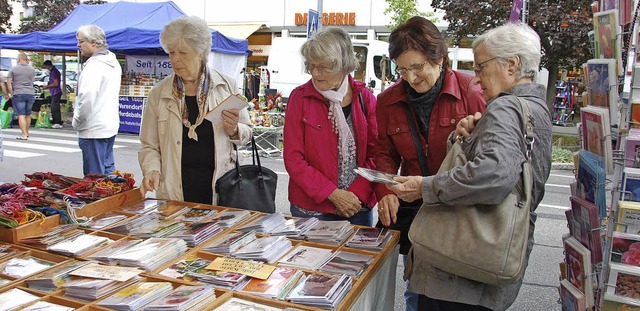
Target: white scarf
[346, 142]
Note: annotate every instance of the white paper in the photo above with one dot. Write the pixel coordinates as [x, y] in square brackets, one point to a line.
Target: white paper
[231, 102]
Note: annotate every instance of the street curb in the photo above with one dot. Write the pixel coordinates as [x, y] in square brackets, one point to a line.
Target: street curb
[562, 166]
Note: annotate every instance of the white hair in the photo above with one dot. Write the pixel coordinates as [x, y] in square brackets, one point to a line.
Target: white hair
[514, 39]
[93, 33]
[190, 30]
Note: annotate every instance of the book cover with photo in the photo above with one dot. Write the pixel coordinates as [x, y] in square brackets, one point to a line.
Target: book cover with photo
[306, 257]
[591, 181]
[572, 298]
[596, 134]
[631, 184]
[586, 228]
[625, 248]
[579, 268]
[628, 217]
[607, 37]
[602, 87]
[624, 284]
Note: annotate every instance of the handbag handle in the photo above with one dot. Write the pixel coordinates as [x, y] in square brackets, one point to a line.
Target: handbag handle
[254, 155]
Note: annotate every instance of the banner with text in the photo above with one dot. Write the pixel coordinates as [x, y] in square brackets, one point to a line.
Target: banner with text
[148, 65]
[131, 113]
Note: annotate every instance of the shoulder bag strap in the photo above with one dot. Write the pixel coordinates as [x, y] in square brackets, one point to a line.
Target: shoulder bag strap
[364, 108]
[416, 141]
[527, 127]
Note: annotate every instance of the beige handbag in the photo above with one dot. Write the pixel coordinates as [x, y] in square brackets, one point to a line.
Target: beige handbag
[484, 243]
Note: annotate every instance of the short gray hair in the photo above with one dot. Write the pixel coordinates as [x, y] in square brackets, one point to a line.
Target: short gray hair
[514, 39]
[93, 33]
[331, 44]
[190, 30]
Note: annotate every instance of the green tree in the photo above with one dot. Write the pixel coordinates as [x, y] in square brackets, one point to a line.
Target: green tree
[48, 13]
[561, 25]
[5, 14]
[402, 10]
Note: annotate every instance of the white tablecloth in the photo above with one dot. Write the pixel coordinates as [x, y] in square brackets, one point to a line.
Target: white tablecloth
[380, 292]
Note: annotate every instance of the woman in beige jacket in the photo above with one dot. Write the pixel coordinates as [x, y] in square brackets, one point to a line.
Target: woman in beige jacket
[182, 153]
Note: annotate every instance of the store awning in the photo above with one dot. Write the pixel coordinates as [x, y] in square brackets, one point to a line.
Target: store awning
[238, 31]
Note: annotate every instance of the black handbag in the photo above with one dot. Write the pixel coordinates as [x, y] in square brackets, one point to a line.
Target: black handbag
[249, 187]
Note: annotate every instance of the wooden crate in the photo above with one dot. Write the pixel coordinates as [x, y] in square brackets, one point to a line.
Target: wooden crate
[28, 230]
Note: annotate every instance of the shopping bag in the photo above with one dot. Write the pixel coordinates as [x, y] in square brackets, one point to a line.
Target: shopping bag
[5, 116]
[43, 120]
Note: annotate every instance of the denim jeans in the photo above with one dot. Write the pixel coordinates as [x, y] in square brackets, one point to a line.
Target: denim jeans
[363, 218]
[410, 298]
[97, 155]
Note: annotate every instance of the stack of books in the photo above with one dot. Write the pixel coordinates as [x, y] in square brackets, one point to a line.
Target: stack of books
[230, 218]
[235, 304]
[295, 228]
[103, 220]
[84, 288]
[266, 249]
[19, 267]
[265, 223]
[54, 235]
[150, 254]
[194, 269]
[158, 229]
[277, 286]
[103, 254]
[137, 223]
[330, 232]
[190, 214]
[230, 243]
[52, 279]
[306, 257]
[47, 306]
[185, 297]
[198, 232]
[79, 245]
[321, 290]
[373, 239]
[136, 296]
[144, 206]
[351, 264]
[7, 251]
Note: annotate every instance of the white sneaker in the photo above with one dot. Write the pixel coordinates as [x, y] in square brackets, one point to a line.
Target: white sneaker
[56, 126]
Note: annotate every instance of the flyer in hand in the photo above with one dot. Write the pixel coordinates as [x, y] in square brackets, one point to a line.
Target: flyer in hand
[376, 176]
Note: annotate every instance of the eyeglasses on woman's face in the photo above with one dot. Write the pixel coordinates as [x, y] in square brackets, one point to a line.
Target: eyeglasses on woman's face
[322, 68]
[415, 69]
[481, 65]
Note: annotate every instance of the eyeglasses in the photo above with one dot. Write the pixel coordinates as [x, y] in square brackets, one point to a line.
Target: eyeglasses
[415, 69]
[480, 66]
[80, 41]
[308, 68]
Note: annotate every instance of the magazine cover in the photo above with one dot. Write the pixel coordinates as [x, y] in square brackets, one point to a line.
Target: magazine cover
[624, 284]
[596, 134]
[631, 184]
[607, 33]
[587, 227]
[601, 88]
[625, 248]
[628, 217]
[579, 268]
[591, 180]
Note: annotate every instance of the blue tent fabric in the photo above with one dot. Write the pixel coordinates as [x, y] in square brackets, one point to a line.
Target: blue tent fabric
[132, 28]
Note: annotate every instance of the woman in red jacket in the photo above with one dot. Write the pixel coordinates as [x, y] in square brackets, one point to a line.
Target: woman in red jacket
[330, 130]
[429, 99]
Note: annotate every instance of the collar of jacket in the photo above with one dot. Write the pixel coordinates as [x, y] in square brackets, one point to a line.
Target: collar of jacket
[309, 91]
[167, 92]
[396, 93]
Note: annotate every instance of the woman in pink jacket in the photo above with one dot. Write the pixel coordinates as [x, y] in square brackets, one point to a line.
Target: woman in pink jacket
[330, 130]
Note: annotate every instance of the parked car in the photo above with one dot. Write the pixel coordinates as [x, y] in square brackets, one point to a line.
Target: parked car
[71, 80]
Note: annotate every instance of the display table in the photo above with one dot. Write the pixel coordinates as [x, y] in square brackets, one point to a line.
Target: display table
[374, 289]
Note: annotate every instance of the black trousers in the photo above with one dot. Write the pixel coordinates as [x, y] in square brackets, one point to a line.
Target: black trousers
[55, 109]
[428, 304]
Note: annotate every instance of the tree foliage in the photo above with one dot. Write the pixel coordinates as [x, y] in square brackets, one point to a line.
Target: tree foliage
[5, 14]
[561, 25]
[402, 10]
[48, 13]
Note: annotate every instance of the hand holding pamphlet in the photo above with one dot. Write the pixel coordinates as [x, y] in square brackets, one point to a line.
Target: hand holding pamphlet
[232, 102]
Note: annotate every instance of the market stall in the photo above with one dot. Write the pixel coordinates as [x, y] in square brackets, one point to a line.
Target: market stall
[132, 30]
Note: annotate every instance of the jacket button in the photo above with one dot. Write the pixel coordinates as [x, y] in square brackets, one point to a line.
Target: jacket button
[319, 126]
[304, 119]
[178, 142]
[397, 130]
[453, 121]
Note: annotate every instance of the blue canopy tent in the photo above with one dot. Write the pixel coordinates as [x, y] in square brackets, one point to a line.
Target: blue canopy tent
[132, 28]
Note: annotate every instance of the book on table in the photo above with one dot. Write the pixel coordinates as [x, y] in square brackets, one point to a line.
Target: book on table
[144, 206]
[192, 214]
[136, 296]
[264, 223]
[277, 286]
[191, 268]
[321, 290]
[230, 218]
[103, 220]
[196, 233]
[79, 245]
[19, 267]
[230, 243]
[185, 297]
[295, 228]
[351, 264]
[236, 304]
[306, 257]
[266, 249]
[50, 280]
[14, 298]
[89, 289]
[46, 306]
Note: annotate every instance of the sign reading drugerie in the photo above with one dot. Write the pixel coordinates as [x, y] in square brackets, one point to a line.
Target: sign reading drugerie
[149, 65]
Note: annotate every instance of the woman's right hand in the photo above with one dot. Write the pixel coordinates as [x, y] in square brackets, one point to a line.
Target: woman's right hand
[346, 202]
[466, 125]
[388, 209]
[150, 182]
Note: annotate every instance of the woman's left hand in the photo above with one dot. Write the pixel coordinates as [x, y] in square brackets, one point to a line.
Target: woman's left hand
[409, 189]
[230, 121]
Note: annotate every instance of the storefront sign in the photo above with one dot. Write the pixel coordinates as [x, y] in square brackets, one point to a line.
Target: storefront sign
[331, 18]
[149, 65]
[131, 113]
[259, 50]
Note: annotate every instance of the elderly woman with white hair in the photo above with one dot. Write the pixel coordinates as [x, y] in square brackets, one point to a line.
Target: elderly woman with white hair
[330, 131]
[506, 66]
[182, 153]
